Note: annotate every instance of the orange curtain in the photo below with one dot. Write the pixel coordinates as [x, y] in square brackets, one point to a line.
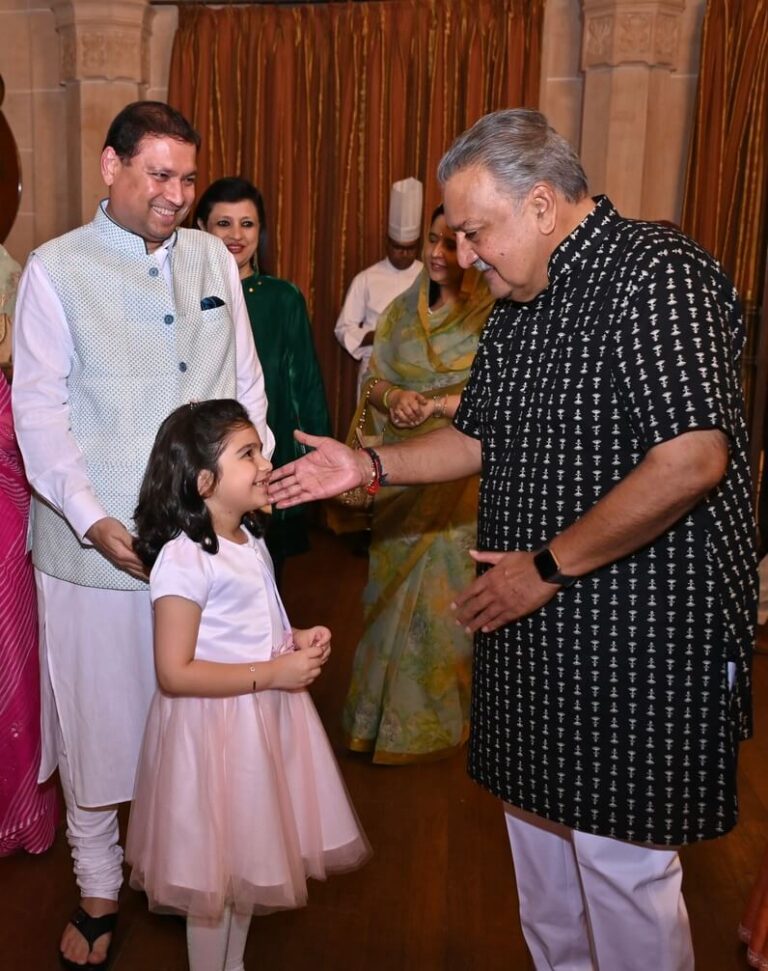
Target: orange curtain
[323, 106]
[726, 199]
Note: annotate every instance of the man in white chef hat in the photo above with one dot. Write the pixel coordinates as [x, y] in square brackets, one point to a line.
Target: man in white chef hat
[372, 290]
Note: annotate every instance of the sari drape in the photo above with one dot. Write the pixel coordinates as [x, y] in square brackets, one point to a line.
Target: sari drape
[27, 810]
[409, 695]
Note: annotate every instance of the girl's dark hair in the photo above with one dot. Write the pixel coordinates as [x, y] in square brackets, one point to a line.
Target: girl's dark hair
[189, 441]
[234, 189]
[434, 288]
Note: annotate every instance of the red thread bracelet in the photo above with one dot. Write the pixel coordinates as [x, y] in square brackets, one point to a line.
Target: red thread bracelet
[375, 484]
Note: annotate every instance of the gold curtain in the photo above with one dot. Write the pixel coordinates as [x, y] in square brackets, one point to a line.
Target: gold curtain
[727, 181]
[323, 106]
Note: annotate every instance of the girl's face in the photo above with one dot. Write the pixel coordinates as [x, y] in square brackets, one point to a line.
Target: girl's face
[242, 483]
[440, 255]
[237, 225]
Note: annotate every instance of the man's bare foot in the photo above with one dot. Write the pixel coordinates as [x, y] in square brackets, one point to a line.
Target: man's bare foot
[74, 947]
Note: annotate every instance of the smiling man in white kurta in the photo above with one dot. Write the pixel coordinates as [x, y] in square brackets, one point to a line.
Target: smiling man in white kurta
[117, 324]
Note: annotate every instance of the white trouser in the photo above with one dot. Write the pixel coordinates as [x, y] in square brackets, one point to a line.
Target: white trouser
[590, 903]
[93, 836]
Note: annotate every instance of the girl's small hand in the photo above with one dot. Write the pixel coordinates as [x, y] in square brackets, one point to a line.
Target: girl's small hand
[312, 636]
[297, 669]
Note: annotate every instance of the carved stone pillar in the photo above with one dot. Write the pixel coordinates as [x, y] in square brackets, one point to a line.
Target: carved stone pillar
[629, 51]
[103, 68]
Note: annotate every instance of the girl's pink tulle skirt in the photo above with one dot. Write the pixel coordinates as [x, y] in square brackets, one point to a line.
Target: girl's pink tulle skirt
[238, 801]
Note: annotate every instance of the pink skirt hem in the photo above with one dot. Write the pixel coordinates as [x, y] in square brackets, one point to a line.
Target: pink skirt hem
[238, 802]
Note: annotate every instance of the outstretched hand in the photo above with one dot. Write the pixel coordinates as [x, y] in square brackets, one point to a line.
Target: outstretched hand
[511, 589]
[330, 468]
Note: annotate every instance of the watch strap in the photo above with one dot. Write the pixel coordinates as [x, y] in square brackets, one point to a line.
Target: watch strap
[548, 568]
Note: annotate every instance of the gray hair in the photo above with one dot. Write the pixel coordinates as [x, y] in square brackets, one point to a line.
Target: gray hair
[519, 148]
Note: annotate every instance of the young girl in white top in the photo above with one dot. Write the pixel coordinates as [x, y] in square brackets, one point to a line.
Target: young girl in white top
[238, 796]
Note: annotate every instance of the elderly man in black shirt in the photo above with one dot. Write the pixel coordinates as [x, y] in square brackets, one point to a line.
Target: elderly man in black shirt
[614, 608]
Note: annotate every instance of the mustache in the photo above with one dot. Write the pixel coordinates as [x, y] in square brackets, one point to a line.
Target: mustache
[481, 266]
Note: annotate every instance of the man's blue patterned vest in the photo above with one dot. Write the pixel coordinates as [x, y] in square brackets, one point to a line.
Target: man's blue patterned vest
[140, 350]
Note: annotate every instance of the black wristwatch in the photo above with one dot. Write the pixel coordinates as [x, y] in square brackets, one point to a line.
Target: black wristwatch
[546, 563]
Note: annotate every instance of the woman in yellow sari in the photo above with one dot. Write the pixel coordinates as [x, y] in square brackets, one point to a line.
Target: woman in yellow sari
[409, 696]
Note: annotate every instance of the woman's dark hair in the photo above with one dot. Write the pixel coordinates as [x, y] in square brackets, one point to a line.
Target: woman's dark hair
[434, 288]
[143, 119]
[189, 442]
[234, 189]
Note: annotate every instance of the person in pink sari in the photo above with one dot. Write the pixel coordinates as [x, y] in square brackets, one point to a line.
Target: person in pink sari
[753, 929]
[27, 810]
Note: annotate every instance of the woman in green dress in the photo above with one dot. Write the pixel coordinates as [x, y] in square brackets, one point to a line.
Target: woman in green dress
[409, 696]
[233, 210]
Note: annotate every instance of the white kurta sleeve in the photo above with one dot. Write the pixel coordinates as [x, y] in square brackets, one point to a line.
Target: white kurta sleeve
[350, 327]
[42, 360]
[250, 376]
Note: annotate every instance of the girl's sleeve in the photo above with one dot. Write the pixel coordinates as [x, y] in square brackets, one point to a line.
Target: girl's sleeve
[181, 570]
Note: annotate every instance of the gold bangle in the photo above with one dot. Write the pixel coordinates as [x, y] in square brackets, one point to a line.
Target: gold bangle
[387, 393]
[440, 401]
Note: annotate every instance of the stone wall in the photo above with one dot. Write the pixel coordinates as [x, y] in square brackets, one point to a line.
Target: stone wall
[618, 80]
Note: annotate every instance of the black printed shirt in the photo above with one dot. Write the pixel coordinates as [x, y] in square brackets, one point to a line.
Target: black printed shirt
[610, 709]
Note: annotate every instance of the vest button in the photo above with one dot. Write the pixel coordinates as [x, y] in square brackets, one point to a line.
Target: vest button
[182, 366]
[168, 318]
[154, 271]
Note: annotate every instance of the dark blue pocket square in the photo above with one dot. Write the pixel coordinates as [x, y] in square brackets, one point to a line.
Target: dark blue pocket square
[208, 303]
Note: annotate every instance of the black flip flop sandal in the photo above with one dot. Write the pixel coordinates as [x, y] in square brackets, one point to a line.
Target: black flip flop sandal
[91, 928]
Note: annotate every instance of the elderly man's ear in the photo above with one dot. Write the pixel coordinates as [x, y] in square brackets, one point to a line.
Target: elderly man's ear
[543, 199]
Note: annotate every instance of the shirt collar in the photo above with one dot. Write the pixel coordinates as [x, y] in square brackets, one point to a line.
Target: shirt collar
[126, 241]
[393, 269]
[577, 246]
[164, 250]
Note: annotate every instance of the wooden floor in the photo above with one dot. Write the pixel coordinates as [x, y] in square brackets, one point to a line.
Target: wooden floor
[439, 893]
